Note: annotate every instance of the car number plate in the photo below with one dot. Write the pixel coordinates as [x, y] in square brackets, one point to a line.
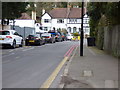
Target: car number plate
[1, 38]
[31, 41]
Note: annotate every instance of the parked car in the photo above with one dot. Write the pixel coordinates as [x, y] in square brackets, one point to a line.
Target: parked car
[58, 37]
[50, 38]
[69, 36]
[64, 38]
[35, 39]
[10, 38]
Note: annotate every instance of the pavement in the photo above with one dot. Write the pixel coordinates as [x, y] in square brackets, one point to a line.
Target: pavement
[96, 69]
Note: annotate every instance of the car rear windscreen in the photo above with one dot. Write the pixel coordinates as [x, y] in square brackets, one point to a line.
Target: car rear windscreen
[46, 34]
[4, 33]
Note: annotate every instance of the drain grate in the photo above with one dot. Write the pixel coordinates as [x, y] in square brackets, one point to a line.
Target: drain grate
[87, 73]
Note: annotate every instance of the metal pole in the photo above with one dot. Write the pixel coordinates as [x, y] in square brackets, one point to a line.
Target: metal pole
[24, 32]
[81, 41]
[13, 24]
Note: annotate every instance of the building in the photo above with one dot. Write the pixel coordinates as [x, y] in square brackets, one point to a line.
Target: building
[65, 19]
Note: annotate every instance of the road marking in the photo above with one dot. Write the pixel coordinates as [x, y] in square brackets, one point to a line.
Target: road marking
[11, 50]
[65, 73]
[8, 55]
[49, 81]
[71, 51]
[68, 53]
[27, 46]
[17, 57]
[28, 49]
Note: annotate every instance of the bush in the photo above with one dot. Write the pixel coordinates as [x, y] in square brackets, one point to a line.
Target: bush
[76, 34]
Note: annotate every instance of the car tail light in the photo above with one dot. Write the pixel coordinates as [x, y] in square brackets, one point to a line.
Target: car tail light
[8, 37]
[37, 38]
[47, 37]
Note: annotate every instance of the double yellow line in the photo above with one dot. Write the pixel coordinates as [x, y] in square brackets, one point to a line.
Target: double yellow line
[49, 81]
[52, 77]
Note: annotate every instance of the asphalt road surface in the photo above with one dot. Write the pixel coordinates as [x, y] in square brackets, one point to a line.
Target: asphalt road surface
[30, 66]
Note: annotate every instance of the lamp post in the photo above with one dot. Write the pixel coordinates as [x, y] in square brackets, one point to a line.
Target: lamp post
[81, 41]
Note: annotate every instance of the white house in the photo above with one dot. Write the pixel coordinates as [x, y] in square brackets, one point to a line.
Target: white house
[65, 18]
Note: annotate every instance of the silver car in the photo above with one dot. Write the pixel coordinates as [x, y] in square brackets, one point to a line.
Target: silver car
[50, 38]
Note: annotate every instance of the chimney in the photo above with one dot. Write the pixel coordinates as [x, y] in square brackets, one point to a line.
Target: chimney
[33, 15]
[43, 11]
[68, 10]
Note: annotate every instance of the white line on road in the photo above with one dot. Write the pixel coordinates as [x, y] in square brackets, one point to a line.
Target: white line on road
[28, 49]
[8, 55]
[11, 50]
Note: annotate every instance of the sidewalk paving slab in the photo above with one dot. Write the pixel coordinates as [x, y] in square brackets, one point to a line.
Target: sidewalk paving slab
[95, 69]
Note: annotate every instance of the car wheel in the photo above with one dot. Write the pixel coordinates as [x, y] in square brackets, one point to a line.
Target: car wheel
[39, 43]
[26, 44]
[14, 44]
[52, 41]
[21, 45]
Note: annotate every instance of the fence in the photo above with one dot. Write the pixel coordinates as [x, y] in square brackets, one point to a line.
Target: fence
[24, 31]
[112, 40]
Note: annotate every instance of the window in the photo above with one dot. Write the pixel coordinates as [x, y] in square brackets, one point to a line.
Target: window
[46, 20]
[75, 20]
[72, 20]
[4, 33]
[16, 34]
[45, 28]
[69, 29]
[60, 21]
[85, 21]
[74, 29]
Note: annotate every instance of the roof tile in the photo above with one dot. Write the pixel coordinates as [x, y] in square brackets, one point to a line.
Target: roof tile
[66, 12]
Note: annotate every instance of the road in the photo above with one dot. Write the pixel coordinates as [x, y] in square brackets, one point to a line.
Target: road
[30, 66]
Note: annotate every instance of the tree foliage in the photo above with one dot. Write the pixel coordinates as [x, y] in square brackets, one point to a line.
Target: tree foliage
[96, 10]
[12, 10]
[102, 14]
[49, 6]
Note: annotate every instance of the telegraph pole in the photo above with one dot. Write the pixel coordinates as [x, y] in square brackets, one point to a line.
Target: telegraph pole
[81, 40]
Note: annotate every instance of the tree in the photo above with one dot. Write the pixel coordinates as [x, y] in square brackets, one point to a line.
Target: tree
[12, 10]
[102, 14]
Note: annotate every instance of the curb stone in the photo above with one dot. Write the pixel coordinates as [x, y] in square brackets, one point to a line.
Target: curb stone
[65, 73]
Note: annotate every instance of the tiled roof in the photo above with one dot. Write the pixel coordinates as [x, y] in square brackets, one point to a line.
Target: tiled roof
[66, 13]
[24, 16]
[75, 13]
[58, 13]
